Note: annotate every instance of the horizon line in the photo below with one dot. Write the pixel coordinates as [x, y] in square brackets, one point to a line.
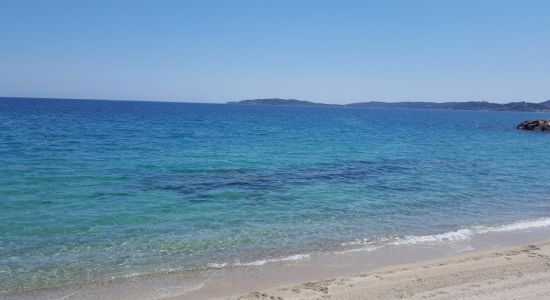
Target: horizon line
[226, 102]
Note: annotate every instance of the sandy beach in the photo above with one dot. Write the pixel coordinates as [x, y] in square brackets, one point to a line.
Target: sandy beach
[521, 272]
[499, 265]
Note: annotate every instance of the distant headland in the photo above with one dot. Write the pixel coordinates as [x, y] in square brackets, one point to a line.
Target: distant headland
[277, 101]
[469, 105]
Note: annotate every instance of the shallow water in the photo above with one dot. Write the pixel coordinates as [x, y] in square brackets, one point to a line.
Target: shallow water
[101, 189]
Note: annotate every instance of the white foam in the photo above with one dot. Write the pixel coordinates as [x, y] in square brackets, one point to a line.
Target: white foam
[369, 242]
[521, 225]
[463, 234]
[217, 265]
[294, 257]
[253, 263]
[264, 261]
[362, 249]
[459, 235]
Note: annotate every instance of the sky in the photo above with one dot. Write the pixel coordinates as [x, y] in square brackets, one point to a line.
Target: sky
[324, 51]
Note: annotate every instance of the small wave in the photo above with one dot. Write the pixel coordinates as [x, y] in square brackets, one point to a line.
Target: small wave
[260, 262]
[376, 244]
[216, 265]
[521, 225]
[362, 249]
[459, 235]
[264, 261]
[369, 242]
[451, 236]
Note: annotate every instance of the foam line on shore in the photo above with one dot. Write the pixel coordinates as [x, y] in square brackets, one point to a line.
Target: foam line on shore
[260, 262]
[462, 234]
[451, 236]
[264, 261]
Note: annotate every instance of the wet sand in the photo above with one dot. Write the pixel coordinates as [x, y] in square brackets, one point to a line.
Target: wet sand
[505, 273]
[501, 265]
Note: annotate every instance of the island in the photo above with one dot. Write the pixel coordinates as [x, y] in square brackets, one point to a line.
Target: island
[468, 105]
[277, 101]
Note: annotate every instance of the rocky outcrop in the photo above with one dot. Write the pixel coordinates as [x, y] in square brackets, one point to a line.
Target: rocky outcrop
[535, 125]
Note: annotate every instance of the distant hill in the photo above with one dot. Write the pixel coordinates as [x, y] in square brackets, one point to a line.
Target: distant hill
[470, 105]
[276, 101]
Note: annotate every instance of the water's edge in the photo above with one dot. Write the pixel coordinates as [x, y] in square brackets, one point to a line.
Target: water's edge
[223, 278]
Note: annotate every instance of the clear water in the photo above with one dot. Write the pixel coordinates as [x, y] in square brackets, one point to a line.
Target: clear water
[97, 189]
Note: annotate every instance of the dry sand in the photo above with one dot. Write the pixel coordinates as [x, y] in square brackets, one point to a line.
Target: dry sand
[505, 273]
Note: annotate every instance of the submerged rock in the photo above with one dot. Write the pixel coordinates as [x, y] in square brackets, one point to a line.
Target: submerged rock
[535, 125]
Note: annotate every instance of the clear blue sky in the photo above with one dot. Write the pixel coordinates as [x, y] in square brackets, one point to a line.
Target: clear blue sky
[327, 51]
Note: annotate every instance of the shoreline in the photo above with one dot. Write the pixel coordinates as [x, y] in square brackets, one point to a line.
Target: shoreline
[314, 269]
[323, 276]
[520, 272]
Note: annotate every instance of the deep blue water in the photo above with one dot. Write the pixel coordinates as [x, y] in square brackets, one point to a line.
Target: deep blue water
[96, 189]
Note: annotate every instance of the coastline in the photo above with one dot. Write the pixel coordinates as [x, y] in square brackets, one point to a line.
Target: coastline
[340, 274]
[349, 274]
[505, 273]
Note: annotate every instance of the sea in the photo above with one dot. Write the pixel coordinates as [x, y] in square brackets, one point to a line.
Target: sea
[94, 190]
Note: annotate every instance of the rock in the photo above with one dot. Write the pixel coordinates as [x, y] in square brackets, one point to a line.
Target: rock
[535, 125]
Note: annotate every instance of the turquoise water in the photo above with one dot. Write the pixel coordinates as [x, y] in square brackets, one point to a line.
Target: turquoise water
[100, 189]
